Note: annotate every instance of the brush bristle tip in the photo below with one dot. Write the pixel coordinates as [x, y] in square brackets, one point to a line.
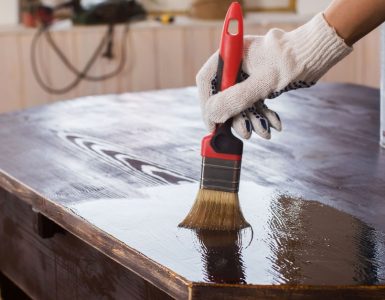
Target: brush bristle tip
[215, 210]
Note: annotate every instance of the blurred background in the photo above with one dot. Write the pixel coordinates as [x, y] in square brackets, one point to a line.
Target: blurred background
[52, 50]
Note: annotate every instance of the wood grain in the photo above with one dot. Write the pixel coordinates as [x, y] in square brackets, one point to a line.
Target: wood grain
[119, 172]
[62, 266]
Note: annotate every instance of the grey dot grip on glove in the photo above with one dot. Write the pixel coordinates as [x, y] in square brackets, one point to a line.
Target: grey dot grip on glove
[277, 62]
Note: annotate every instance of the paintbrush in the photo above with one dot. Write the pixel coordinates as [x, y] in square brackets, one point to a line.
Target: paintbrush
[217, 205]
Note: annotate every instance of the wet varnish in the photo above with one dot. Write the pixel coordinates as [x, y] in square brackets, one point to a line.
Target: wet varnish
[291, 241]
[120, 172]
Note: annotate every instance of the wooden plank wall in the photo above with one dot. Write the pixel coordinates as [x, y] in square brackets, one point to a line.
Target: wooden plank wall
[158, 56]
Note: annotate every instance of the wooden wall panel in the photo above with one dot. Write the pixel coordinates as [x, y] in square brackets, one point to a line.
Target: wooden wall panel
[255, 29]
[32, 94]
[362, 66]
[86, 41]
[60, 75]
[170, 59]
[111, 85]
[344, 71]
[216, 33]
[197, 47]
[141, 68]
[370, 59]
[10, 74]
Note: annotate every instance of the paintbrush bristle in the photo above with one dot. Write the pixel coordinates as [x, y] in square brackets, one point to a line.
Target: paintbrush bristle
[215, 210]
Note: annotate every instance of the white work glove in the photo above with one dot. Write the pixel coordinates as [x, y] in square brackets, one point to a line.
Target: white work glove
[275, 63]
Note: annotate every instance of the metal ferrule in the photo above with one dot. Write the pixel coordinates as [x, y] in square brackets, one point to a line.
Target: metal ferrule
[220, 174]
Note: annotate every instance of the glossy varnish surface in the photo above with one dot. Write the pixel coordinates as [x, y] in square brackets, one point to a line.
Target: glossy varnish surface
[121, 172]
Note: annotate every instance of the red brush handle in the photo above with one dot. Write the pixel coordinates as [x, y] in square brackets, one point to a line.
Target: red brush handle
[222, 143]
[231, 49]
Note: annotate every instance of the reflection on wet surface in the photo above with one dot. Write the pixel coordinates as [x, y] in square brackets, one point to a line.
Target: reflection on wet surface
[221, 256]
[293, 241]
[314, 243]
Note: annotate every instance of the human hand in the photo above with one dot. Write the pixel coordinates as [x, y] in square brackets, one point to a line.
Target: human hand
[275, 63]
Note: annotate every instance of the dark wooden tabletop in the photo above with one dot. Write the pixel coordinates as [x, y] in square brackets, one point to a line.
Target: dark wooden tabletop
[121, 171]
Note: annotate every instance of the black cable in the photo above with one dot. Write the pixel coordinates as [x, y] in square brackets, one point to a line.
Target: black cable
[83, 74]
[74, 83]
[88, 77]
[110, 44]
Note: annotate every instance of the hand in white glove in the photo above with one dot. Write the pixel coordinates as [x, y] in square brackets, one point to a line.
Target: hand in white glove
[277, 62]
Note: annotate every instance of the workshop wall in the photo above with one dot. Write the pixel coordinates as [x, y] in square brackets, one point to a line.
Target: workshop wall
[158, 56]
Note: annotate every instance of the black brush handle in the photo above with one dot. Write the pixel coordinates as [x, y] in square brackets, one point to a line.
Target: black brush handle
[223, 140]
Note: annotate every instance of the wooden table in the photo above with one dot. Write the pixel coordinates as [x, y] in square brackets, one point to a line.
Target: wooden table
[92, 191]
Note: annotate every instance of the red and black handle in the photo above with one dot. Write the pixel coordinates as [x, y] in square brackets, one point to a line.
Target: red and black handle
[222, 144]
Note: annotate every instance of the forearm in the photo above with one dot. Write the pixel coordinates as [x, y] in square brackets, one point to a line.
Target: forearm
[353, 19]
